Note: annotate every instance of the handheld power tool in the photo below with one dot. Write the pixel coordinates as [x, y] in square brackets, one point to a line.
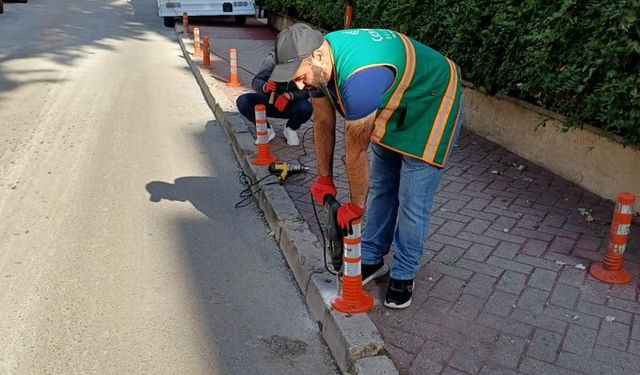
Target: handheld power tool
[284, 169]
[334, 234]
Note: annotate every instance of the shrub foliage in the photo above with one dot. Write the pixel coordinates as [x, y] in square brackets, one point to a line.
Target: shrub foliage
[580, 58]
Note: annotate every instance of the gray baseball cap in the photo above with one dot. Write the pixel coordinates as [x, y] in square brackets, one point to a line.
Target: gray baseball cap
[294, 44]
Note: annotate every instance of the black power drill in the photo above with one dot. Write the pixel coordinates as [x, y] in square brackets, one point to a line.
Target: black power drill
[284, 169]
[334, 234]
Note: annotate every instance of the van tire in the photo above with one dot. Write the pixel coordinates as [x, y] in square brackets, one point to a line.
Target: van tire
[1, 7]
[240, 20]
[22, 1]
[169, 21]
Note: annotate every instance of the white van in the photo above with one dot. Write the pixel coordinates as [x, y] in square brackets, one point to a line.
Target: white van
[169, 9]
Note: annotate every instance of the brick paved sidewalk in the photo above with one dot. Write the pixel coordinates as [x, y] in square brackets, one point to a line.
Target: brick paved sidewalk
[503, 287]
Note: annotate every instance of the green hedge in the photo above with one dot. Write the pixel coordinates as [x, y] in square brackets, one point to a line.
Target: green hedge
[580, 58]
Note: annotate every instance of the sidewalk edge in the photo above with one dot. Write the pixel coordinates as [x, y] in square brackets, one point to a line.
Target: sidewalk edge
[353, 340]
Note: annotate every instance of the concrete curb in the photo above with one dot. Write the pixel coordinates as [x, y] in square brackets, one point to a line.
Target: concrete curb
[354, 340]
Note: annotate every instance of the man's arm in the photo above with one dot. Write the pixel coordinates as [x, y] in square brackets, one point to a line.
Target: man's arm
[356, 138]
[324, 134]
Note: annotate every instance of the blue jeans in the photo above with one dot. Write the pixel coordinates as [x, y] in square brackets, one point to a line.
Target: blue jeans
[297, 111]
[401, 192]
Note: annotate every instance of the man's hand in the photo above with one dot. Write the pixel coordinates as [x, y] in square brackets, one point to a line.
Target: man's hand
[347, 213]
[282, 101]
[269, 87]
[322, 187]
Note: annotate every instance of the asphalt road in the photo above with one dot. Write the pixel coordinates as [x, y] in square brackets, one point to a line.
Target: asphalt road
[121, 251]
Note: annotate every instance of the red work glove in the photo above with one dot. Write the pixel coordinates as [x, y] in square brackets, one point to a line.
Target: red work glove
[282, 101]
[269, 86]
[347, 213]
[322, 187]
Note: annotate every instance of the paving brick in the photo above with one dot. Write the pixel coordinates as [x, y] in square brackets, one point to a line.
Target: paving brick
[509, 350]
[623, 304]
[614, 335]
[503, 223]
[402, 359]
[507, 250]
[587, 365]
[595, 292]
[532, 233]
[477, 238]
[468, 307]
[478, 252]
[571, 316]
[477, 203]
[512, 282]
[572, 276]
[509, 265]
[539, 321]
[435, 351]
[628, 291]
[503, 212]
[535, 247]
[452, 371]
[450, 228]
[554, 220]
[448, 288]
[617, 357]
[634, 347]
[603, 311]
[562, 245]
[580, 340]
[448, 270]
[477, 214]
[451, 216]
[544, 345]
[494, 369]
[542, 279]
[479, 267]
[467, 361]
[533, 300]
[448, 240]
[480, 285]
[636, 328]
[500, 235]
[535, 367]
[538, 262]
[564, 295]
[559, 232]
[588, 242]
[449, 254]
[436, 306]
[500, 303]
[402, 339]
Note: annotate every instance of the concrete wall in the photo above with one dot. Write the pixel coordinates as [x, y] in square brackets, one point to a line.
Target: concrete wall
[583, 156]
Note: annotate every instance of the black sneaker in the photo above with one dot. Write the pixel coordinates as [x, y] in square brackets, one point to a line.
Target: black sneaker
[373, 271]
[399, 294]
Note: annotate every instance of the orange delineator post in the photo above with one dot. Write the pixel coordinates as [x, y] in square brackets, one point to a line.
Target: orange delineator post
[233, 68]
[348, 16]
[353, 299]
[263, 156]
[197, 51]
[610, 270]
[206, 58]
[185, 23]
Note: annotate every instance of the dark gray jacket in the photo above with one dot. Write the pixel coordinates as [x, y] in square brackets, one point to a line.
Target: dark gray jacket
[265, 72]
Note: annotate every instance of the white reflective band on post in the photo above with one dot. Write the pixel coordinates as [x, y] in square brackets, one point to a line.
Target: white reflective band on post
[352, 269]
[620, 249]
[626, 209]
[352, 251]
[623, 229]
[261, 126]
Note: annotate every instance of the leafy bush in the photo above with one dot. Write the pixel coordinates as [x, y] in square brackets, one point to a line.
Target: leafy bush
[580, 58]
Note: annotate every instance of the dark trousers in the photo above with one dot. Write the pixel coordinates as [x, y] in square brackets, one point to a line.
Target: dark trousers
[297, 112]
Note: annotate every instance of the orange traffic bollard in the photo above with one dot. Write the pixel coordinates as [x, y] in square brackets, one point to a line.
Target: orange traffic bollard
[196, 42]
[353, 298]
[233, 68]
[185, 23]
[348, 15]
[610, 270]
[263, 157]
[206, 58]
